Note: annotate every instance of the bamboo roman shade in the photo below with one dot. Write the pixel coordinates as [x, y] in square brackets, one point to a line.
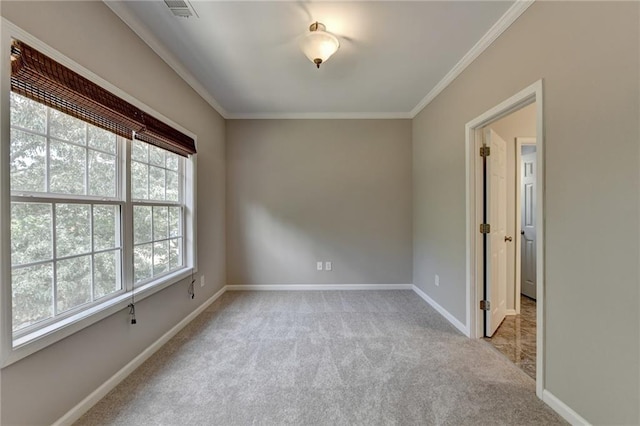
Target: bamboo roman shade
[40, 78]
[160, 134]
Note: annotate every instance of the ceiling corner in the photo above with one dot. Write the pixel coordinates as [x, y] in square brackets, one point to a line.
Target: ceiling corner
[501, 25]
[122, 12]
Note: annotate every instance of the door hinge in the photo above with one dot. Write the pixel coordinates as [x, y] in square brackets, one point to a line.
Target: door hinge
[485, 305]
[485, 151]
[485, 228]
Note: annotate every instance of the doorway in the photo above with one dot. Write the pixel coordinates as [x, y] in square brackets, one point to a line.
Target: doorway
[490, 238]
[514, 318]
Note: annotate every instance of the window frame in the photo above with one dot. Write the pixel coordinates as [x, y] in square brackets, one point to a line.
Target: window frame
[12, 350]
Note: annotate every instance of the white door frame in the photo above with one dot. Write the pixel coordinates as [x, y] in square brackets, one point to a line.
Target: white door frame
[520, 142]
[474, 266]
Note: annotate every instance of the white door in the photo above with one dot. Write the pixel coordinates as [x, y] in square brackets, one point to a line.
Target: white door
[496, 242]
[528, 224]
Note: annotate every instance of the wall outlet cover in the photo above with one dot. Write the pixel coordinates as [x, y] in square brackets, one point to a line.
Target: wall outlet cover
[328, 266]
[319, 266]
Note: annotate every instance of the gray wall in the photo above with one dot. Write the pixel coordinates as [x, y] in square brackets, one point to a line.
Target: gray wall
[521, 123]
[301, 191]
[44, 386]
[587, 54]
[305, 190]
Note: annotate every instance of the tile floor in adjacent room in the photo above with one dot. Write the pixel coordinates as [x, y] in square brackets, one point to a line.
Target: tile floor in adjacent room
[516, 337]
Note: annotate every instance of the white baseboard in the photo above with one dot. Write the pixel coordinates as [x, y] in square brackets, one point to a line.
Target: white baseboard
[563, 409]
[511, 312]
[442, 311]
[278, 287]
[83, 406]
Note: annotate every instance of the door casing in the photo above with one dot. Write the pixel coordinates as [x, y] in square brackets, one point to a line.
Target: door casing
[474, 248]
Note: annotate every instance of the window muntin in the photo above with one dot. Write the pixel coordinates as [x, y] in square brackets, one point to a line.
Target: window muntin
[157, 213]
[158, 240]
[68, 211]
[155, 173]
[63, 256]
[54, 153]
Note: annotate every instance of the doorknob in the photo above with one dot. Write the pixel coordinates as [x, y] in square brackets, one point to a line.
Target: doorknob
[522, 232]
[508, 239]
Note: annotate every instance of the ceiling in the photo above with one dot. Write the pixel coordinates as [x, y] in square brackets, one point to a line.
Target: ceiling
[394, 57]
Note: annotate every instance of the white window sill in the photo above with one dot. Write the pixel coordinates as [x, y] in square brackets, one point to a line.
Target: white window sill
[46, 336]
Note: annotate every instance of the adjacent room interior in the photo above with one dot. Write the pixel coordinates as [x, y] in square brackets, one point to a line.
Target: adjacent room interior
[515, 328]
[267, 212]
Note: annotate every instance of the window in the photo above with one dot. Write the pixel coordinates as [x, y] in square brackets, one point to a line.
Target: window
[69, 207]
[66, 250]
[100, 201]
[157, 212]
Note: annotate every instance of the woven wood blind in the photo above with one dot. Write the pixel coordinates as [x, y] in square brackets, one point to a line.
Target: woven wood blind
[40, 78]
[160, 134]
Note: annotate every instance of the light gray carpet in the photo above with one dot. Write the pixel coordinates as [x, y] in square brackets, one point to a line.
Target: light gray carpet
[323, 357]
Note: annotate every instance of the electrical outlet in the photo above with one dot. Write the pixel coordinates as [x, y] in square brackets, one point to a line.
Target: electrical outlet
[328, 266]
[437, 279]
[201, 280]
[319, 266]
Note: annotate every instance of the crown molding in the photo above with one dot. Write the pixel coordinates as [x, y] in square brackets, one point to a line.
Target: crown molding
[118, 7]
[321, 116]
[505, 21]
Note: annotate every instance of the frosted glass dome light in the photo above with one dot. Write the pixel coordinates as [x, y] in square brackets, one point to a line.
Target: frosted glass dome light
[318, 45]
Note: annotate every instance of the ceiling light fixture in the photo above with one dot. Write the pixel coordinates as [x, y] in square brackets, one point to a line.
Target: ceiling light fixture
[318, 45]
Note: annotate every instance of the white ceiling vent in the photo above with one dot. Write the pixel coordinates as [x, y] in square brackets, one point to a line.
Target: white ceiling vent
[181, 8]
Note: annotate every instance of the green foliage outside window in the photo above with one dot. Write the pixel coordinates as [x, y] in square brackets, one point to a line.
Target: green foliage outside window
[67, 213]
